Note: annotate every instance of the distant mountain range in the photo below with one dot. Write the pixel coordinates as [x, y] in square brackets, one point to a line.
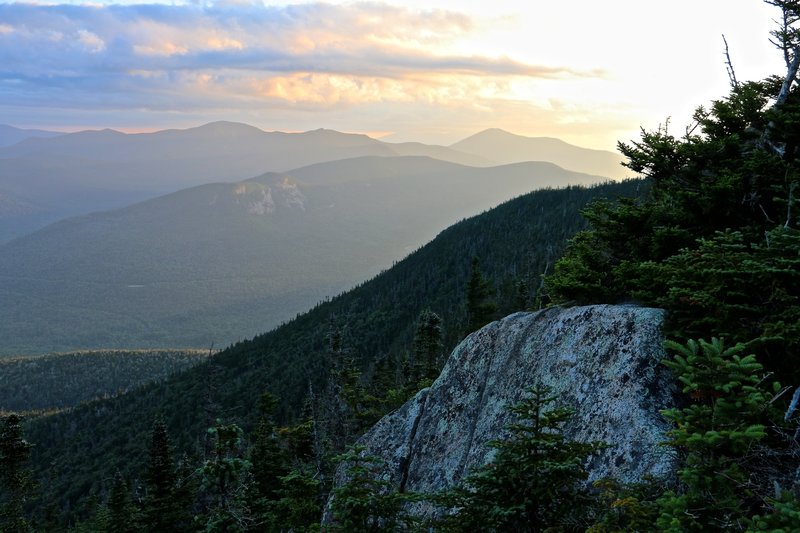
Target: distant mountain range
[10, 135]
[88, 171]
[222, 262]
[78, 452]
[504, 147]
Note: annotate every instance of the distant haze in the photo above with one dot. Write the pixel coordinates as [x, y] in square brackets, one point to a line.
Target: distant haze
[45, 179]
[222, 262]
[588, 72]
[498, 145]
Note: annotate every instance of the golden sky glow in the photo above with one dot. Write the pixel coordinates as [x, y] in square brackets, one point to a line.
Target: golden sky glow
[589, 72]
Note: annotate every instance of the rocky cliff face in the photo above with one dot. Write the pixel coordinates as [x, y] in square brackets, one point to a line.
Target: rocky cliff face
[602, 361]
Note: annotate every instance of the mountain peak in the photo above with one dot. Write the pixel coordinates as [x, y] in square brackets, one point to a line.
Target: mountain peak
[10, 135]
[504, 147]
[221, 127]
[226, 124]
[498, 134]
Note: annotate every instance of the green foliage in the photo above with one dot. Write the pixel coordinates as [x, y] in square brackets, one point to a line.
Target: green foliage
[740, 291]
[626, 507]
[428, 346]
[365, 503]
[784, 515]
[224, 482]
[298, 507]
[715, 436]
[517, 240]
[15, 483]
[481, 307]
[166, 507]
[536, 481]
[722, 178]
[60, 381]
[121, 515]
[269, 461]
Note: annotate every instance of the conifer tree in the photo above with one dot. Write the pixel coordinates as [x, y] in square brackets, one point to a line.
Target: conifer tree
[481, 307]
[300, 495]
[121, 514]
[15, 484]
[225, 481]
[716, 434]
[522, 296]
[164, 510]
[428, 345]
[366, 503]
[266, 455]
[536, 481]
[299, 507]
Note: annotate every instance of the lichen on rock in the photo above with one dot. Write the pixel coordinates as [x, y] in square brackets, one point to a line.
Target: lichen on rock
[602, 361]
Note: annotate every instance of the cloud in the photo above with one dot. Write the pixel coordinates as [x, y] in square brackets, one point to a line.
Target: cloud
[91, 41]
[238, 54]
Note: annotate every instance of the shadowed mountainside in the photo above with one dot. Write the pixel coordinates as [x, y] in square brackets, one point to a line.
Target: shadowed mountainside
[61, 381]
[222, 262]
[89, 171]
[95, 170]
[516, 241]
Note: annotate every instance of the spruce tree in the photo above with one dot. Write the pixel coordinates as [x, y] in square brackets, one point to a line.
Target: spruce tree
[718, 435]
[225, 481]
[121, 514]
[163, 509]
[15, 484]
[365, 503]
[481, 306]
[536, 481]
[267, 457]
[428, 345]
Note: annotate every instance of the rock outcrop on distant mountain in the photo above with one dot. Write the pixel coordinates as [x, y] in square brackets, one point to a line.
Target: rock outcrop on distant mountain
[602, 361]
[87, 171]
[222, 262]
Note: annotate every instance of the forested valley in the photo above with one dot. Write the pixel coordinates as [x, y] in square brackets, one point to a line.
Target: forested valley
[249, 439]
[59, 381]
[363, 338]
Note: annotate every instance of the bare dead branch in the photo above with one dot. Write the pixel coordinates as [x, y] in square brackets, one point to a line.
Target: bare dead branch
[729, 65]
[790, 78]
[789, 205]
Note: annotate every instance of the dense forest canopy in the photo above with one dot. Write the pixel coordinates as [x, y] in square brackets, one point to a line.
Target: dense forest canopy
[711, 234]
[716, 242]
[78, 453]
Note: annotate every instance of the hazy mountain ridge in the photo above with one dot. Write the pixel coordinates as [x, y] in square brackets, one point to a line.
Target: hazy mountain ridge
[221, 262]
[517, 241]
[502, 146]
[9, 135]
[105, 169]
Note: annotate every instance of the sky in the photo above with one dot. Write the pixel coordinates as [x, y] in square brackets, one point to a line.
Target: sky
[589, 72]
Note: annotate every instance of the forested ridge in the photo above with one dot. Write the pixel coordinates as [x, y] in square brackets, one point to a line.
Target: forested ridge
[711, 234]
[77, 453]
[60, 381]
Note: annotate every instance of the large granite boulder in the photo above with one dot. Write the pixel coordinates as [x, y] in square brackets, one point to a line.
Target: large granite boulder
[602, 361]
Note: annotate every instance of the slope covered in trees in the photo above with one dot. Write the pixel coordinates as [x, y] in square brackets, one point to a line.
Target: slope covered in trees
[77, 453]
[714, 238]
[222, 262]
[716, 242]
[59, 381]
